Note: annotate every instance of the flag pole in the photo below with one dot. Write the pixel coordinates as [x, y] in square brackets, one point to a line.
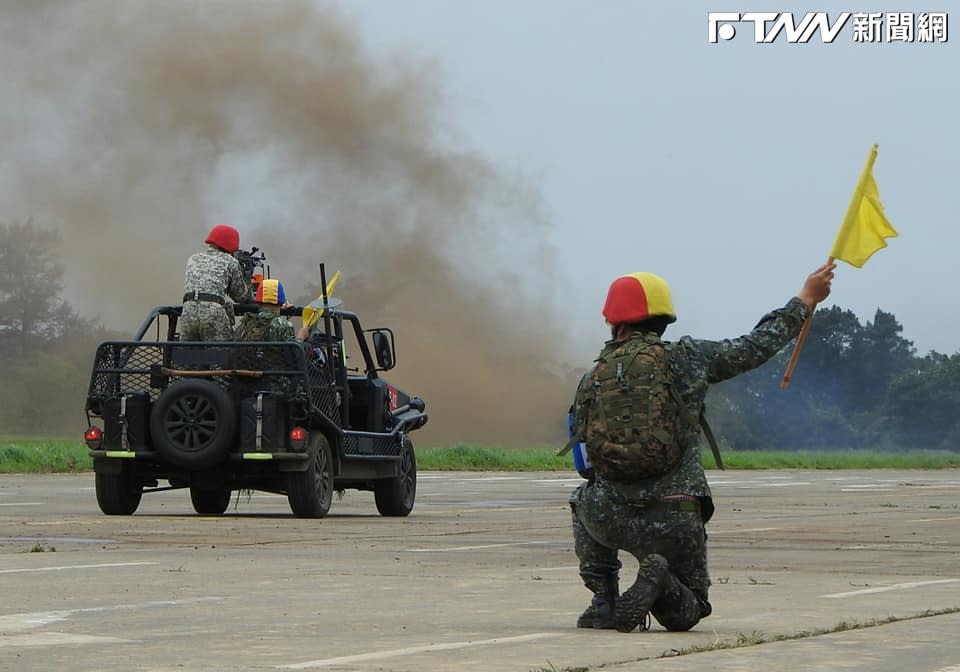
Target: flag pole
[795, 355]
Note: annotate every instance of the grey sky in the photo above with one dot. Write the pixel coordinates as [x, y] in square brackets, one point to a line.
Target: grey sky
[725, 168]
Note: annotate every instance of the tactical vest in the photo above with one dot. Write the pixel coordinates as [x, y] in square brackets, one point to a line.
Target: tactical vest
[629, 412]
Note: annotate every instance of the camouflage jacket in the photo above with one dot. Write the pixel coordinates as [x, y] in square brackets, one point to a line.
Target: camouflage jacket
[698, 363]
[264, 326]
[216, 272]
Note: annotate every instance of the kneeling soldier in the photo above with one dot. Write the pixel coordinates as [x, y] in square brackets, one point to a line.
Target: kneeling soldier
[637, 413]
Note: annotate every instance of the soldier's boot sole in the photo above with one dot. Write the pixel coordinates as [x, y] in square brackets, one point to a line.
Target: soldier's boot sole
[633, 607]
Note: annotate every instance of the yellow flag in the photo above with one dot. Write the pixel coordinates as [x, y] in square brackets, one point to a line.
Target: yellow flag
[864, 227]
[311, 315]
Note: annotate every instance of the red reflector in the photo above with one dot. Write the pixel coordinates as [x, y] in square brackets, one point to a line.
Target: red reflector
[93, 438]
[298, 434]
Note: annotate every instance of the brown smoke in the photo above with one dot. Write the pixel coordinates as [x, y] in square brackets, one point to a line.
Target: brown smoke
[134, 126]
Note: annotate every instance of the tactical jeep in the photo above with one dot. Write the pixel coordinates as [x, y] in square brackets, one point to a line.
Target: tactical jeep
[286, 418]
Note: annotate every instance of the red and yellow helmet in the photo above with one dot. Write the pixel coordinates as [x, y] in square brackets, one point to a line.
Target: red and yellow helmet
[637, 297]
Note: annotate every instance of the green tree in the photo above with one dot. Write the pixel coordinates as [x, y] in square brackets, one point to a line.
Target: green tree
[31, 279]
[921, 405]
[883, 353]
[836, 397]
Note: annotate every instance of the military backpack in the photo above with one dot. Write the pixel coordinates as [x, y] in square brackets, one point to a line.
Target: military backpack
[254, 327]
[629, 413]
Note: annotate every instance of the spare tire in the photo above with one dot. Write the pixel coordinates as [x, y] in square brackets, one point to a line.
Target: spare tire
[193, 424]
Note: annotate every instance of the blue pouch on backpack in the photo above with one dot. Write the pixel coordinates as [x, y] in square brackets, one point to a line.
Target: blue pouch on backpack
[581, 461]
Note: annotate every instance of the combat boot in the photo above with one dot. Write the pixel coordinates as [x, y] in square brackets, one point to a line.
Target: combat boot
[633, 607]
[600, 613]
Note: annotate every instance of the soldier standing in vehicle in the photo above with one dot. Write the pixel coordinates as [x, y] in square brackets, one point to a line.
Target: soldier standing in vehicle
[268, 324]
[637, 412]
[212, 277]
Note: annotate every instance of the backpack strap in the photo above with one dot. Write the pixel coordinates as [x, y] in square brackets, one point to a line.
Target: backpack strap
[686, 421]
[711, 439]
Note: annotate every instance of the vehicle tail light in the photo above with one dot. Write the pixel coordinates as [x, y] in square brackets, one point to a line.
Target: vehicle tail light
[298, 438]
[93, 437]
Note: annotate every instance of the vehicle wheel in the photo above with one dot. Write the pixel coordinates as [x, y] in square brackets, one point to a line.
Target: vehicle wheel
[193, 423]
[395, 496]
[118, 494]
[211, 502]
[310, 492]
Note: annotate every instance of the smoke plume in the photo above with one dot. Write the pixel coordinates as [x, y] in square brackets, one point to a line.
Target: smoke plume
[132, 127]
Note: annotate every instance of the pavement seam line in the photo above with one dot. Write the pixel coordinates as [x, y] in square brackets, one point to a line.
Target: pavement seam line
[756, 638]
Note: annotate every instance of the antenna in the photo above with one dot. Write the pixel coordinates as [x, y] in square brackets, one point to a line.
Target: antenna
[323, 285]
[326, 319]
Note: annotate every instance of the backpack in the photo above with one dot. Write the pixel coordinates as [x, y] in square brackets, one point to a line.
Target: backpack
[629, 413]
[253, 327]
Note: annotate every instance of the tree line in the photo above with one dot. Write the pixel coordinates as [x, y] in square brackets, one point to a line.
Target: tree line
[46, 347]
[857, 385]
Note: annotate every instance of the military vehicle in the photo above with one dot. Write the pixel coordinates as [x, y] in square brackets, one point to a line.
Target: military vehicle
[220, 417]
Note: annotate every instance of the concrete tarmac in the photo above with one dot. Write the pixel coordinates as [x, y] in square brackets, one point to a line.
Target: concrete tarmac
[850, 570]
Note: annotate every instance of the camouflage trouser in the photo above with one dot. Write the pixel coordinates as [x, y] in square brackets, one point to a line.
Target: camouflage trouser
[604, 522]
[205, 321]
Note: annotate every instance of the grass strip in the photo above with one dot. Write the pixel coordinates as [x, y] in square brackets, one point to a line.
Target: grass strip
[469, 457]
[53, 455]
[38, 456]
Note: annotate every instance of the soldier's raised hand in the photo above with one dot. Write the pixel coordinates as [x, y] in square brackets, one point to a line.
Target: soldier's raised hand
[817, 286]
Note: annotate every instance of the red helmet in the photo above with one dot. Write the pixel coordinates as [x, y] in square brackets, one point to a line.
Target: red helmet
[225, 237]
[637, 297]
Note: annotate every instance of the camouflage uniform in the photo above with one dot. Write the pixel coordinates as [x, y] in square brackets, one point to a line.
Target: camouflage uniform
[218, 273]
[667, 536]
[265, 326]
